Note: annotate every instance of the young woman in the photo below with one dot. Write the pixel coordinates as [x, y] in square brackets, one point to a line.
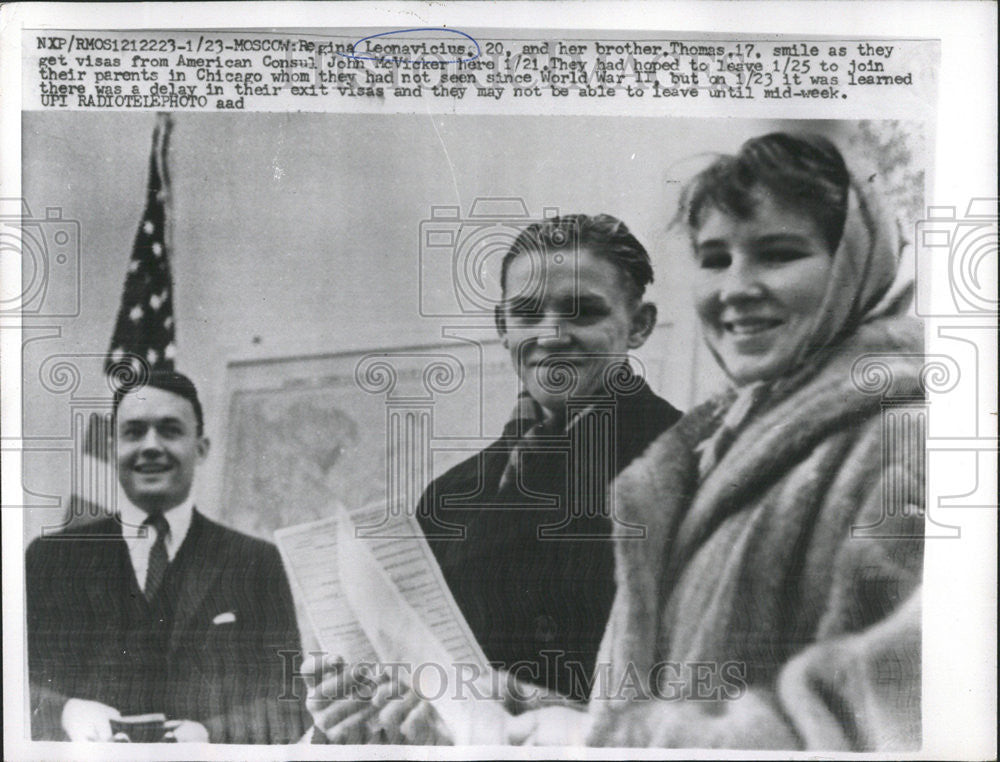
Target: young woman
[775, 602]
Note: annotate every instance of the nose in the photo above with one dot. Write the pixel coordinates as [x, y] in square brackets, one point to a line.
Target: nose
[741, 281]
[553, 332]
[150, 442]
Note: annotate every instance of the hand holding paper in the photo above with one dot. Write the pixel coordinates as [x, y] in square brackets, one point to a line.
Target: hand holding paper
[340, 698]
[551, 726]
[348, 710]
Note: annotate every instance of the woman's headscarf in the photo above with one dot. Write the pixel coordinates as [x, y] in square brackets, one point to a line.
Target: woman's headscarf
[864, 283]
[864, 277]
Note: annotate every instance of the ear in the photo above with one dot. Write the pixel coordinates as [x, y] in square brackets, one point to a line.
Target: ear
[204, 445]
[501, 323]
[643, 323]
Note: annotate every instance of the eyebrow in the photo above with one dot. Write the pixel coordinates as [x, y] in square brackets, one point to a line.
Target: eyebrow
[782, 238]
[571, 303]
[164, 419]
[770, 239]
[587, 297]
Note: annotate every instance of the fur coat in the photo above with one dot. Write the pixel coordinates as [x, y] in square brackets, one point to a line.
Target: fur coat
[775, 604]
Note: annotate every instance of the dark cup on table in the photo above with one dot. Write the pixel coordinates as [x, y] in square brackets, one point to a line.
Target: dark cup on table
[144, 728]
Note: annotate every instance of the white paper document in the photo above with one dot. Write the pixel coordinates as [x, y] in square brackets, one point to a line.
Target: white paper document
[383, 599]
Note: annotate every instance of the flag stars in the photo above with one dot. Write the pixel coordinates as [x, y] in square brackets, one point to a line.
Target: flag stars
[144, 332]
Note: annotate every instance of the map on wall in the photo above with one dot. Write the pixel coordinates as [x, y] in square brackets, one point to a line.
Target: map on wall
[306, 433]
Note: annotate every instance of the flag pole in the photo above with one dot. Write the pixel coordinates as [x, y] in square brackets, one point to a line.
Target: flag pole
[164, 126]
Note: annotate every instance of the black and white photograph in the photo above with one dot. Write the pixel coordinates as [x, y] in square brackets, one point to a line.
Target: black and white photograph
[468, 390]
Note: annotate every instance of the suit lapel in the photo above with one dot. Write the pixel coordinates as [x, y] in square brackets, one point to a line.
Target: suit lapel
[108, 569]
[204, 553]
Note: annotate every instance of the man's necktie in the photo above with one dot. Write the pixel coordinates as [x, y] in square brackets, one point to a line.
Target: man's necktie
[524, 424]
[157, 554]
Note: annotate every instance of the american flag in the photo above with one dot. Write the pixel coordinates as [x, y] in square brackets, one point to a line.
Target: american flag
[145, 325]
[143, 338]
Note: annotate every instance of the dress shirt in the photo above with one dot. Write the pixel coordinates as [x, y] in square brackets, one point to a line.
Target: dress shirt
[179, 520]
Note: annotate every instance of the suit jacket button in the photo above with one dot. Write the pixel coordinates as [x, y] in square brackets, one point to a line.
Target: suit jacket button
[545, 628]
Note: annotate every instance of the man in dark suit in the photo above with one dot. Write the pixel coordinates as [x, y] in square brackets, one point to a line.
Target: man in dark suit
[523, 530]
[159, 609]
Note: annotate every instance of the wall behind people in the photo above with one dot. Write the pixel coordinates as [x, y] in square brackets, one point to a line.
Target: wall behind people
[299, 234]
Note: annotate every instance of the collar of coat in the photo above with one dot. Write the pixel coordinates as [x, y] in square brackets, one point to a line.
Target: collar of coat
[882, 360]
[527, 417]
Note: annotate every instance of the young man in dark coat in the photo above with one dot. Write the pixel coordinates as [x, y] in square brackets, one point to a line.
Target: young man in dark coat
[522, 530]
[159, 609]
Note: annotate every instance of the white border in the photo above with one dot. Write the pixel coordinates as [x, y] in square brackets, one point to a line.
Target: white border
[960, 630]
